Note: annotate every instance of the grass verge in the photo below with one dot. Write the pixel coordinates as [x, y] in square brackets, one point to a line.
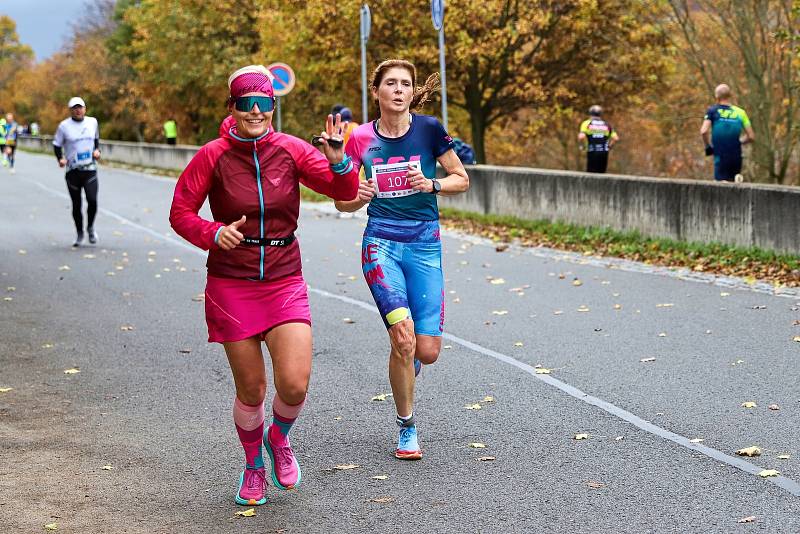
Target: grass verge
[748, 263]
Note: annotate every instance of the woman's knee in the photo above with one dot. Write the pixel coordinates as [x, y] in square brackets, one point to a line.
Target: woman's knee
[403, 339]
[293, 393]
[252, 392]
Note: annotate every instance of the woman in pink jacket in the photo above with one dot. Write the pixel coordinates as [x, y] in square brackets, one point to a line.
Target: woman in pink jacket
[255, 289]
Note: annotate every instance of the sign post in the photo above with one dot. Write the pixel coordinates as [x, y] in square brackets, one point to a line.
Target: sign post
[283, 79]
[437, 15]
[366, 23]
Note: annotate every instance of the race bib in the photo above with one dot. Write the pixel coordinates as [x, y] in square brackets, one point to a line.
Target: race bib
[83, 157]
[390, 179]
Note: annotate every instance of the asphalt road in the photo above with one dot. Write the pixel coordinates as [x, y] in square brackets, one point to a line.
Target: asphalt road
[152, 400]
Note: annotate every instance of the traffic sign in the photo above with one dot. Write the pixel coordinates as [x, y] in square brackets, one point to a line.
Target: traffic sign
[437, 14]
[366, 23]
[284, 78]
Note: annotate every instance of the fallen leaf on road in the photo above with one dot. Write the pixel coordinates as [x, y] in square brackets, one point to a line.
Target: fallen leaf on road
[5, 390]
[647, 360]
[346, 467]
[617, 306]
[768, 473]
[579, 437]
[558, 312]
[199, 298]
[477, 446]
[662, 334]
[748, 519]
[619, 438]
[64, 268]
[488, 398]
[22, 251]
[151, 253]
[72, 371]
[749, 451]
[380, 477]
[448, 347]
[107, 468]
[518, 344]
[487, 459]
[542, 371]
[577, 283]
[583, 308]
[501, 247]
[796, 338]
[247, 513]
[89, 256]
[382, 500]
[185, 351]
[783, 457]
[595, 484]
[665, 305]
[348, 320]
[774, 407]
[748, 404]
[126, 328]
[499, 312]
[696, 440]
[12, 289]
[51, 526]
[8, 299]
[381, 397]
[475, 406]
[724, 294]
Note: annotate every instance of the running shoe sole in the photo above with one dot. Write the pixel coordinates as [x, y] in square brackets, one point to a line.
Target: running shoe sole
[272, 466]
[249, 502]
[408, 455]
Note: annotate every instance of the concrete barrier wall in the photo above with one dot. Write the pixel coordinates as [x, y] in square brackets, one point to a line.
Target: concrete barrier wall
[763, 216]
[144, 154]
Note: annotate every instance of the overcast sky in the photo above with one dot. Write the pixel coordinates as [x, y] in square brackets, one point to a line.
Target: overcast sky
[43, 24]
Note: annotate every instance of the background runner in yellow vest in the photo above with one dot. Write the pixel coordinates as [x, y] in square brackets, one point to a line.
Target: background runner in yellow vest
[171, 131]
[597, 137]
[3, 127]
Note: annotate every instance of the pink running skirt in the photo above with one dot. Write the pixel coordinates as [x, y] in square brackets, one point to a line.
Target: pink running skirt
[237, 309]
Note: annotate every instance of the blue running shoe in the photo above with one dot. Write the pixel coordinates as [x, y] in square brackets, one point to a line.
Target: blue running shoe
[407, 445]
[417, 367]
[252, 484]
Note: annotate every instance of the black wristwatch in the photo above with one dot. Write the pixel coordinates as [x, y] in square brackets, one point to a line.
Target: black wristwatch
[437, 187]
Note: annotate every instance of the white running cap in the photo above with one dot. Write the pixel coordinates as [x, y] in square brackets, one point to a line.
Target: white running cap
[76, 101]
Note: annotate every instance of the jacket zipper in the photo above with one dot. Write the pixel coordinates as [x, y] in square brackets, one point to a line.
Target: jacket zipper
[261, 208]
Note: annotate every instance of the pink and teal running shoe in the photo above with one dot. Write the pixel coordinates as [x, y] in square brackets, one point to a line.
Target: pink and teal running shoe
[252, 485]
[285, 469]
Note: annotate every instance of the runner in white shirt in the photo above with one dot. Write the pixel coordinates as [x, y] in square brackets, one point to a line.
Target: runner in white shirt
[77, 147]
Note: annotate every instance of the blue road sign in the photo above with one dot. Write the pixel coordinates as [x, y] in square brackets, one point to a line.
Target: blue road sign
[284, 78]
[437, 14]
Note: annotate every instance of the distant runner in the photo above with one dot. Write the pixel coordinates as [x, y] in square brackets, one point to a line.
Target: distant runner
[721, 131]
[171, 131]
[12, 131]
[77, 147]
[597, 137]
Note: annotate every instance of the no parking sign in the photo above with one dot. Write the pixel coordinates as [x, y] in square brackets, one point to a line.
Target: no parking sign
[284, 78]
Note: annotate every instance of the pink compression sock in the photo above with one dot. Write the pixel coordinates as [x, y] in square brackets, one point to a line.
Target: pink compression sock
[249, 422]
[283, 417]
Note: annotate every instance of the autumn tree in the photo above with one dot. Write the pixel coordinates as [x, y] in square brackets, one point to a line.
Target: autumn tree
[13, 55]
[516, 55]
[183, 52]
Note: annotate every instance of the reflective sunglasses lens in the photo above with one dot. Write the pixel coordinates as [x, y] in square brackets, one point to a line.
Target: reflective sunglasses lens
[246, 103]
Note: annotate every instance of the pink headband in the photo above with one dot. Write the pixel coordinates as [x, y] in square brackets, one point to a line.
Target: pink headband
[251, 79]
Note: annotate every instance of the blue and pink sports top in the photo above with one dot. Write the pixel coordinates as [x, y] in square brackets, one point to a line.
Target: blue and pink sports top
[386, 159]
